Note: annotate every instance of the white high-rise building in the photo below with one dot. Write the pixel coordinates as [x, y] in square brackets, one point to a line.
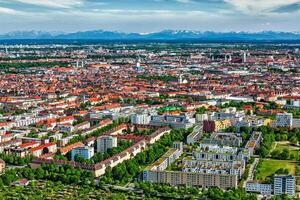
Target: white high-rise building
[106, 142]
[284, 185]
[284, 120]
[244, 57]
[143, 118]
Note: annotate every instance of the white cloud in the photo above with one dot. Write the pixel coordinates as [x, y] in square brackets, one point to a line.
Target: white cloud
[259, 6]
[53, 3]
[9, 11]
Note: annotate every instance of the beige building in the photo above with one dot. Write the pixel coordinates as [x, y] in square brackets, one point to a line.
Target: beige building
[224, 181]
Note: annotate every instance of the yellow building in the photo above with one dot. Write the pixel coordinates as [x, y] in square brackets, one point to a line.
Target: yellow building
[222, 124]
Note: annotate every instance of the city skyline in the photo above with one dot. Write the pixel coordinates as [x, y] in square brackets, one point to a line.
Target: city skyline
[150, 15]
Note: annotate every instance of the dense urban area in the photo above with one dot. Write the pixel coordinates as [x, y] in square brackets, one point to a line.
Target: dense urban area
[150, 121]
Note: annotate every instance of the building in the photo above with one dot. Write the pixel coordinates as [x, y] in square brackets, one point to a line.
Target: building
[203, 180]
[44, 149]
[264, 189]
[201, 117]
[85, 152]
[225, 139]
[292, 102]
[2, 166]
[254, 142]
[210, 126]
[106, 142]
[143, 118]
[195, 135]
[284, 120]
[175, 121]
[284, 184]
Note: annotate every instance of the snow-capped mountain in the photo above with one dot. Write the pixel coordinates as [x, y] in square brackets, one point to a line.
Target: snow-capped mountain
[172, 35]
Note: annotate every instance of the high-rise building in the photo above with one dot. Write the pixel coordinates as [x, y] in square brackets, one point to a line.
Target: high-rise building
[244, 57]
[284, 184]
[85, 152]
[143, 118]
[106, 142]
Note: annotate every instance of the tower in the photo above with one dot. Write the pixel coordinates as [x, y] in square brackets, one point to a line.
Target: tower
[138, 67]
[244, 57]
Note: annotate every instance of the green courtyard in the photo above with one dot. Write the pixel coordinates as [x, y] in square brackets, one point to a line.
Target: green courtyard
[268, 167]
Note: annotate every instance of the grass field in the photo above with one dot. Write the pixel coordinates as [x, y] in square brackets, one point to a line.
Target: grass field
[268, 167]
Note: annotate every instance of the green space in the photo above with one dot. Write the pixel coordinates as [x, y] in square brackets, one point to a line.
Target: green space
[286, 150]
[49, 190]
[170, 108]
[268, 167]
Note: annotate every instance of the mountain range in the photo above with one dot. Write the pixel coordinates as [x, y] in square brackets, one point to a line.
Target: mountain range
[162, 35]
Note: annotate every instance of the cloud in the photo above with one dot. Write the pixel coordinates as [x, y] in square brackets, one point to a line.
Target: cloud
[262, 7]
[9, 11]
[52, 3]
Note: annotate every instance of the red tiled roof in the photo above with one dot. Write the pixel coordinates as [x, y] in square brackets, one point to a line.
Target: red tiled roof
[70, 147]
[43, 146]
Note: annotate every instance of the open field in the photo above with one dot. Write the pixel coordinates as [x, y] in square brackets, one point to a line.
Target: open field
[268, 167]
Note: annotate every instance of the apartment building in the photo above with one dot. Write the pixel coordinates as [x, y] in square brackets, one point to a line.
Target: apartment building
[225, 139]
[292, 102]
[210, 126]
[264, 189]
[284, 184]
[177, 122]
[85, 152]
[224, 181]
[284, 120]
[106, 142]
[142, 118]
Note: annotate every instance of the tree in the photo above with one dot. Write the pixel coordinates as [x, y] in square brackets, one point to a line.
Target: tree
[285, 154]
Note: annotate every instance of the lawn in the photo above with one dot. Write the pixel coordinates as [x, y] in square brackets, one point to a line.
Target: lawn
[268, 167]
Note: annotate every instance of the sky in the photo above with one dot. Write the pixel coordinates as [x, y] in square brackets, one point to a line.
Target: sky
[146, 16]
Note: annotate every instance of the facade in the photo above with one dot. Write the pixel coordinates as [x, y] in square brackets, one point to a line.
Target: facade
[292, 102]
[203, 180]
[264, 189]
[106, 142]
[284, 120]
[284, 184]
[177, 122]
[210, 126]
[85, 152]
[143, 118]
[195, 135]
[44, 149]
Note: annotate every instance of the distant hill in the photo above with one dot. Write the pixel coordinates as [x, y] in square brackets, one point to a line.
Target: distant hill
[163, 35]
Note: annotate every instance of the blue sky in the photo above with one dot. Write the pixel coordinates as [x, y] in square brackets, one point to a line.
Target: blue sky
[149, 15]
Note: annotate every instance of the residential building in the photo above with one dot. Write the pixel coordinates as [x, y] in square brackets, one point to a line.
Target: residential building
[284, 120]
[85, 152]
[264, 189]
[284, 184]
[203, 180]
[106, 142]
[143, 118]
